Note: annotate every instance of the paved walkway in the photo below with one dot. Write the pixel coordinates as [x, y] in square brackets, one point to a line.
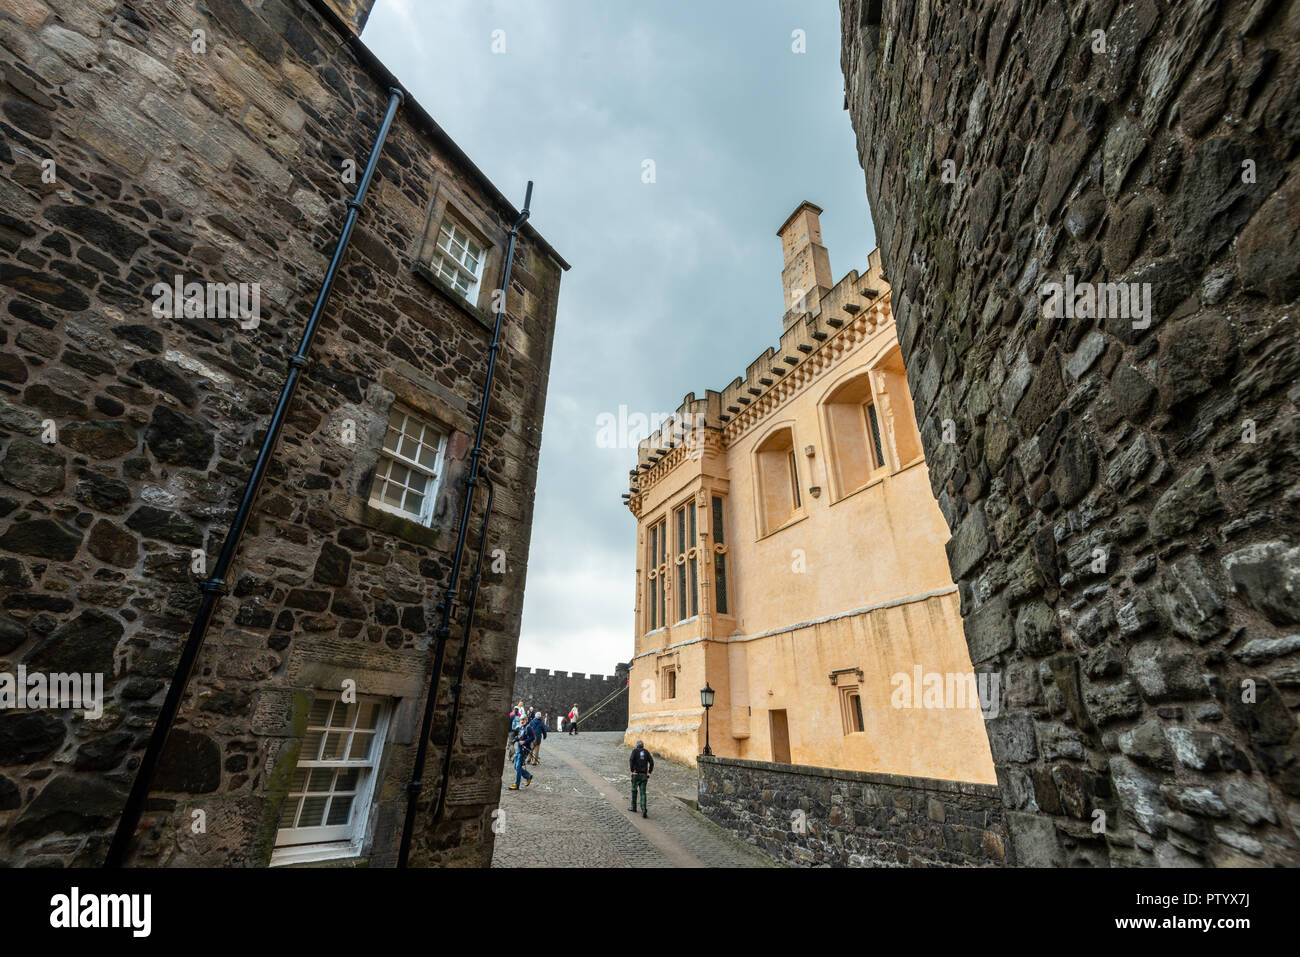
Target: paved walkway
[575, 814]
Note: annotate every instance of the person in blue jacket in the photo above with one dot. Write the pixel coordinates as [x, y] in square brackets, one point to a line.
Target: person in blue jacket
[538, 722]
[527, 738]
[516, 715]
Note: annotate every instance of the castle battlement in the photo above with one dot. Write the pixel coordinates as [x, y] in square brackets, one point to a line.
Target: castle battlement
[525, 672]
[807, 334]
[555, 692]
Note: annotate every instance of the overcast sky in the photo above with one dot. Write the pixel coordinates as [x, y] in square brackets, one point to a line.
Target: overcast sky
[676, 284]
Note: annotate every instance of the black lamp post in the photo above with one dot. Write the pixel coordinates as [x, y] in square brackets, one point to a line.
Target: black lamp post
[706, 699]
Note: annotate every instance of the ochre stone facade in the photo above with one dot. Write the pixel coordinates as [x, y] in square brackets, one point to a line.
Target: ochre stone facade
[790, 554]
[126, 436]
[1121, 491]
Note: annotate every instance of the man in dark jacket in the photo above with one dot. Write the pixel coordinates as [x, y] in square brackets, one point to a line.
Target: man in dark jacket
[642, 765]
[538, 728]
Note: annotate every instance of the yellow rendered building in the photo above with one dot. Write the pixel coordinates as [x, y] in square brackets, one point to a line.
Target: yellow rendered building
[790, 554]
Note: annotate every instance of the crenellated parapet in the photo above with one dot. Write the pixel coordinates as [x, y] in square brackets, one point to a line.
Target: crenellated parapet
[845, 315]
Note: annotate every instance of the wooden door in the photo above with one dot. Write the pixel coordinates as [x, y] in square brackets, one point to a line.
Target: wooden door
[780, 737]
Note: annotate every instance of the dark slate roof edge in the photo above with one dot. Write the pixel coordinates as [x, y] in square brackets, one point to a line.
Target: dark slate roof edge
[422, 120]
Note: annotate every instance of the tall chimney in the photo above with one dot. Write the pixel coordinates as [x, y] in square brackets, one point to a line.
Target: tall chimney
[806, 276]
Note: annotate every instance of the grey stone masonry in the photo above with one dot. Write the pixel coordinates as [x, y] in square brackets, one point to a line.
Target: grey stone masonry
[824, 816]
[1088, 214]
[221, 142]
[556, 692]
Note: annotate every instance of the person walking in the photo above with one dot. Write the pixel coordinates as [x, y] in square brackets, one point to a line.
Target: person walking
[538, 726]
[642, 765]
[516, 715]
[526, 739]
[573, 719]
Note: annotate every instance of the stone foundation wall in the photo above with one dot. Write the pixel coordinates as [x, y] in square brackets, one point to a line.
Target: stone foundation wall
[1121, 489]
[130, 153]
[555, 692]
[823, 816]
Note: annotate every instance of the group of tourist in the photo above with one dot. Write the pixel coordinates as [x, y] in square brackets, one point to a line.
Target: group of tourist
[528, 729]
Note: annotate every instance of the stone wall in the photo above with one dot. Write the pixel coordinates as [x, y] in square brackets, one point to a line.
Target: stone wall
[810, 816]
[1122, 491]
[555, 692]
[126, 437]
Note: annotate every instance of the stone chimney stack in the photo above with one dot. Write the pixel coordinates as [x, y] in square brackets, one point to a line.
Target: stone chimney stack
[806, 276]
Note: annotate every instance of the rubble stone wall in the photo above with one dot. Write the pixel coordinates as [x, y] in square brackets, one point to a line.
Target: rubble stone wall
[817, 817]
[132, 153]
[1121, 489]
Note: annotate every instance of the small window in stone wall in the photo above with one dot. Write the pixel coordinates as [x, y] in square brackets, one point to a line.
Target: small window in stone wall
[719, 559]
[657, 558]
[688, 599]
[669, 678]
[409, 470]
[851, 709]
[856, 446]
[777, 476]
[458, 259]
[327, 807]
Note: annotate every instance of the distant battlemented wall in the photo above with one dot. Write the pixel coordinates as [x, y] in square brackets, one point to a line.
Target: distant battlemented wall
[556, 691]
[1121, 490]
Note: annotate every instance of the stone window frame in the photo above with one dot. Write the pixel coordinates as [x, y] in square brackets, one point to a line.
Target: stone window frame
[658, 575]
[848, 681]
[668, 682]
[886, 419]
[450, 201]
[665, 662]
[687, 558]
[447, 413]
[832, 443]
[720, 575]
[436, 476]
[475, 251]
[764, 528]
[353, 843]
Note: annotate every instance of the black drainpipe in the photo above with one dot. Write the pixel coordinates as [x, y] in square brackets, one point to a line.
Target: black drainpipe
[459, 683]
[215, 586]
[449, 597]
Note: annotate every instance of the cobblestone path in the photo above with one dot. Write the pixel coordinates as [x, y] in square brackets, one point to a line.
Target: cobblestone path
[575, 814]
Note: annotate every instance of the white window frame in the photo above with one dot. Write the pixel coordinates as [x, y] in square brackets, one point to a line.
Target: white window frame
[449, 262]
[328, 842]
[388, 456]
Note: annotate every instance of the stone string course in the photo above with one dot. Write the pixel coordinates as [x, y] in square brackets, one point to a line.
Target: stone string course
[810, 816]
[1151, 142]
[225, 165]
